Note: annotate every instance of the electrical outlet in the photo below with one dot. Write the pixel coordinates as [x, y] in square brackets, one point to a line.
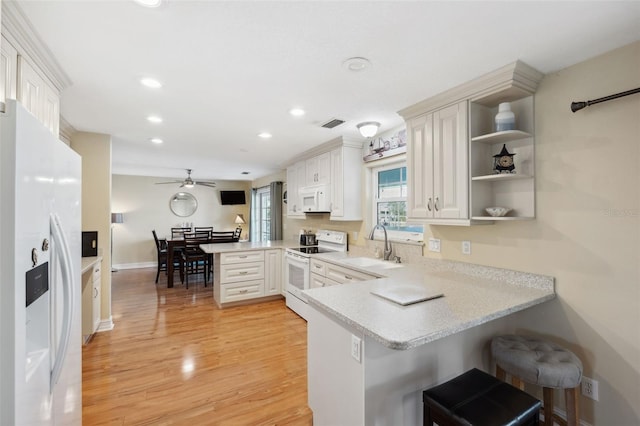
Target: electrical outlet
[434, 245]
[590, 388]
[356, 347]
[466, 247]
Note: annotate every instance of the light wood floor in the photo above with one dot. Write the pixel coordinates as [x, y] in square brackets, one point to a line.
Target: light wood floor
[174, 358]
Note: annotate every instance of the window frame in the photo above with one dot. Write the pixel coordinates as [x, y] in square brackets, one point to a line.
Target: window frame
[372, 202]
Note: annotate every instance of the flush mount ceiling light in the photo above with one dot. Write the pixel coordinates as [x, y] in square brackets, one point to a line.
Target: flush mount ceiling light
[368, 129]
[156, 140]
[264, 135]
[296, 112]
[356, 64]
[150, 82]
[154, 119]
[149, 3]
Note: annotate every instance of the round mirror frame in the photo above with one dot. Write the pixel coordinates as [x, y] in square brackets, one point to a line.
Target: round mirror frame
[183, 204]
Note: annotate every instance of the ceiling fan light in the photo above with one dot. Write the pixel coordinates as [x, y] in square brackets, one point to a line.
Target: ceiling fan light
[368, 129]
[189, 185]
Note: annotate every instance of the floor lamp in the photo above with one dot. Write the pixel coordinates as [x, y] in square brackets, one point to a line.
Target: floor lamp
[115, 218]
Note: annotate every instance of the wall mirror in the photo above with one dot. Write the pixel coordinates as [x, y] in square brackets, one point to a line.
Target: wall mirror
[183, 204]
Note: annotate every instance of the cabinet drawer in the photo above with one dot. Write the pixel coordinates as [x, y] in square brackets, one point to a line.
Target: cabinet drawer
[242, 291]
[318, 267]
[346, 275]
[242, 257]
[241, 272]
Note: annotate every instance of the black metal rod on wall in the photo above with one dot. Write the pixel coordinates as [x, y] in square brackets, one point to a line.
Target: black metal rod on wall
[577, 106]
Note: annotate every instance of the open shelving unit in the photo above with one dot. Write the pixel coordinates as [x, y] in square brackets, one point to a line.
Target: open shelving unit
[512, 190]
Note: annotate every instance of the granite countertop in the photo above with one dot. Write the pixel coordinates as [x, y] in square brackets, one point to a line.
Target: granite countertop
[88, 262]
[248, 245]
[473, 295]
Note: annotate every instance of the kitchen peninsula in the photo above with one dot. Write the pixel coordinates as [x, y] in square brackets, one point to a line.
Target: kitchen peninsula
[246, 272]
[369, 358]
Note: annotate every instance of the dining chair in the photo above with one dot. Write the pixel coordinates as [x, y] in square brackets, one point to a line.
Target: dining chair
[161, 250]
[194, 260]
[223, 237]
[177, 233]
[207, 229]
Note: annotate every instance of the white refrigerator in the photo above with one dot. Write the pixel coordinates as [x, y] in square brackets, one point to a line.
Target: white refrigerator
[40, 262]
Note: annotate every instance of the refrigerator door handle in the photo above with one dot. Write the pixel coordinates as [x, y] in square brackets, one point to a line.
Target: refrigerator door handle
[67, 291]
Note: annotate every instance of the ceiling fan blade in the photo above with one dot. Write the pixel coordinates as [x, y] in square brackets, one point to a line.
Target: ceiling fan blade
[208, 184]
[173, 181]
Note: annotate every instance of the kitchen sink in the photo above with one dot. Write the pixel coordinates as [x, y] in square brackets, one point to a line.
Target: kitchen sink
[368, 262]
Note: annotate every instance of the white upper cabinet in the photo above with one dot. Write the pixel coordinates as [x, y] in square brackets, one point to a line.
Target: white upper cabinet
[451, 147]
[346, 183]
[338, 164]
[296, 179]
[437, 165]
[37, 96]
[318, 169]
[8, 70]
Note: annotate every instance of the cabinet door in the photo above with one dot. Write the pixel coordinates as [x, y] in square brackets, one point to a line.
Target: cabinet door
[51, 109]
[8, 70]
[273, 272]
[295, 180]
[316, 281]
[317, 169]
[337, 183]
[30, 88]
[420, 167]
[450, 163]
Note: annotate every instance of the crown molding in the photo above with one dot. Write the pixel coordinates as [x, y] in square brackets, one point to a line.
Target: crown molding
[66, 130]
[17, 29]
[324, 148]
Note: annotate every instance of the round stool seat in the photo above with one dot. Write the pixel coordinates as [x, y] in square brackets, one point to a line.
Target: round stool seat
[537, 361]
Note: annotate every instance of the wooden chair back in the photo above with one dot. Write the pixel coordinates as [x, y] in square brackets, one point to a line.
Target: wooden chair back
[179, 232]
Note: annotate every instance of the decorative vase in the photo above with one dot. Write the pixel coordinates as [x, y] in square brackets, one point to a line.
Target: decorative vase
[505, 118]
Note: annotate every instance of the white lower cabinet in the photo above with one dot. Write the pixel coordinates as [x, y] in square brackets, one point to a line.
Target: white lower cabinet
[246, 275]
[91, 299]
[325, 274]
[272, 272]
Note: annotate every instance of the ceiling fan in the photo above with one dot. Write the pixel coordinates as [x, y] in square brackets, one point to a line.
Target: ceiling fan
[189, 183]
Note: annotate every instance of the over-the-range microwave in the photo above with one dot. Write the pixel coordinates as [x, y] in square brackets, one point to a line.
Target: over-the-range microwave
[315, 199]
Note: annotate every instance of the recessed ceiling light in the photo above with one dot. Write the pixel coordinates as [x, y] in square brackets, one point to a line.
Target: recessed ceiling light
[151, 82]
[356, 64]
[149, 3]
[264, 135]
[156, 140]
[154, 119]
[296, 112]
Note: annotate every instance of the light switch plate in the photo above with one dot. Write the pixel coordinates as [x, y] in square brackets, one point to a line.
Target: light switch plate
[466, 247]
[356, 347]
[434, 245]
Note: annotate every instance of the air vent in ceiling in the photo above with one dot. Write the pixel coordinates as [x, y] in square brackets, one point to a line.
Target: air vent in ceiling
[335, 122]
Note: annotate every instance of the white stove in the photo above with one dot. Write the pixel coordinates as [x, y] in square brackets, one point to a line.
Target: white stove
[297, 271]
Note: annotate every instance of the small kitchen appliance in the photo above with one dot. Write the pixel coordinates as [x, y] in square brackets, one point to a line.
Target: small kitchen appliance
[308, 239]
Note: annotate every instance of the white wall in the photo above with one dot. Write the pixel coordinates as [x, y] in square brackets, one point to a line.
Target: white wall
[146, 207]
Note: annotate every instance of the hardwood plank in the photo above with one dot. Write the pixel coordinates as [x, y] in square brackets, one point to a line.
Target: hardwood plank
[175, 358]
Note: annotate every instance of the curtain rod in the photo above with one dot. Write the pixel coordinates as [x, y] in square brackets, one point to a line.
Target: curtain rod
[577, 106]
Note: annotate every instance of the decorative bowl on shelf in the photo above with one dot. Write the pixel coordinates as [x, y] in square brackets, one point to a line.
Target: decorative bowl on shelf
[497, 211]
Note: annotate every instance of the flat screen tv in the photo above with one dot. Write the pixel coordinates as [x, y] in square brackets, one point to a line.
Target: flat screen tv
[232, 197]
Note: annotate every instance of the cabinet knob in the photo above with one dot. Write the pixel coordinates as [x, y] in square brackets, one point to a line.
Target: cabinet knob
[429, 204]
[347, 277]
[435, 205]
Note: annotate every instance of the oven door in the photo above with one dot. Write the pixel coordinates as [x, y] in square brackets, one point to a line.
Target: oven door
[296, 280]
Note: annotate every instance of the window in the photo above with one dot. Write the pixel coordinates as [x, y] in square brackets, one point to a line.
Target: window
[262, 214]
[390, 202]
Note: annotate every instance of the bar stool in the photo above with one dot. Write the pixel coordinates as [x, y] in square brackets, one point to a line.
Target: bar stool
[542, 363]
[479, 399]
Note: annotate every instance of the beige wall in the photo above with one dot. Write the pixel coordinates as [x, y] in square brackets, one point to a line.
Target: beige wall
[95, 150]
[586, 233]
[587, 230]
[146, 207]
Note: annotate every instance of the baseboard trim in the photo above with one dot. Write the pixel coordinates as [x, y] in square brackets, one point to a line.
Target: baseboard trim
[106, 325]
[563, 415]
[136, 265]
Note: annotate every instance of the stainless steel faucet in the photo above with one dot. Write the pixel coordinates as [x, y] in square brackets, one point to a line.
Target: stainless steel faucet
[387, 244]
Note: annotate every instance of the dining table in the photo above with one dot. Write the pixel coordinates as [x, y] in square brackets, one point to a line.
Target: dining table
[176, 243]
